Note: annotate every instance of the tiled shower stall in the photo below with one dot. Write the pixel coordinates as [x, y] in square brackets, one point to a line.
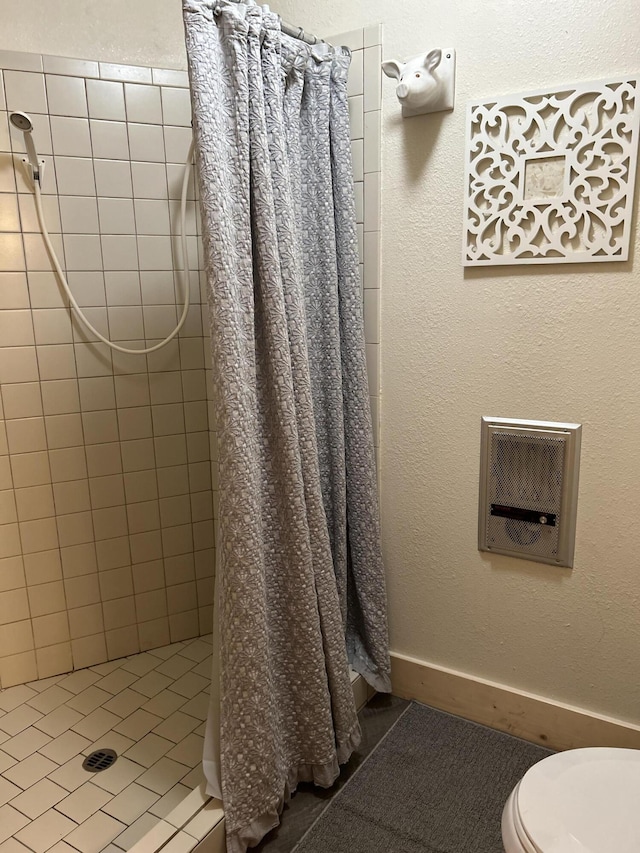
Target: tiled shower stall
[106, 505]
[108, 483]
[108, 461]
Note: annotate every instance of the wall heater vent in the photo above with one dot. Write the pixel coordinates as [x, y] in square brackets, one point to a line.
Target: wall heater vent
[529, 489]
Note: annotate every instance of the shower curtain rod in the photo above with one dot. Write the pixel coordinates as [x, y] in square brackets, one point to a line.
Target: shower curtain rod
[294, 32]
[299, 33]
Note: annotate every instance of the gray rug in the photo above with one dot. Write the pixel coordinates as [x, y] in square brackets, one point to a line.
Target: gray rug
[436, 784]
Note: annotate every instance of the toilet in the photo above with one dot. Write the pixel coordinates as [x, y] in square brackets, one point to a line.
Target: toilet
[578, 801]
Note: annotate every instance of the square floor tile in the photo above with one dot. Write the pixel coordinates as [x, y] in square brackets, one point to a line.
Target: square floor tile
[110, 740]
[175, 666]
[190, 685]
[116, 778]
[162, 776]
[94, 834]
[140, 664]
[79, 681]
[43, 832]
[155, 837]
[43, 684]
[149, 750]
[64, 747]
[204, 668]
[194, 777]
[83, 802]
[177, 726]
[14, 696]
[11, 821]
[89, 700]
[136, 831]
[125, 703]
[6, 761]
[138, 724]
[8, 791]
[50, 699]
[19, 719]
[105, 668]
[58, 721]
[196, 650]
[117, 681]
[130, 803]
[167, 803]
[164, 704]
[36, 800]
[165, 652]
[26, 773]
[197, 707]
[152, 683]
[96, 724]
[27, 742]
[71, 774]
[13, 846]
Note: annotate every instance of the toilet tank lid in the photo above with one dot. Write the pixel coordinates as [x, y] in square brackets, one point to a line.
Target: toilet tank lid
[583, 801]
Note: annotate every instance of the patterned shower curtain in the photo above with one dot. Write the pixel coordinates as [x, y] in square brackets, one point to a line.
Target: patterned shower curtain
[300, 580]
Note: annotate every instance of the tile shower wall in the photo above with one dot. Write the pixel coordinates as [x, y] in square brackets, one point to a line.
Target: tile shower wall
[365, 106]
[106, 510]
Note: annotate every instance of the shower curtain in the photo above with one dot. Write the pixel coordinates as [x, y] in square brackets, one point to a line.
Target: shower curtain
[300, 581]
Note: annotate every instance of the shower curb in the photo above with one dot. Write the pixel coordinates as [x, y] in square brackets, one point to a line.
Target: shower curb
[196, 825]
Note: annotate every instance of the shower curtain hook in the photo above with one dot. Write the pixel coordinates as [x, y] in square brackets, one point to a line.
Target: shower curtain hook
[217, 11]
[300, 33]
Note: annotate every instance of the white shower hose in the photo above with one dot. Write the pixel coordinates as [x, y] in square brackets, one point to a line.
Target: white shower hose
[184, 266]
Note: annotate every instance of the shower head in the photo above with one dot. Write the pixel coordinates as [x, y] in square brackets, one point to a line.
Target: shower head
[23, 122]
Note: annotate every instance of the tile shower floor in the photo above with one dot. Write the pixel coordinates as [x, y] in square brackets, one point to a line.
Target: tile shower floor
[150, 708]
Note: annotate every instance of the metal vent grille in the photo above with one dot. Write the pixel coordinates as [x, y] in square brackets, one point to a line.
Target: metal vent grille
[525, 472]
[529, 489]
[99, 760]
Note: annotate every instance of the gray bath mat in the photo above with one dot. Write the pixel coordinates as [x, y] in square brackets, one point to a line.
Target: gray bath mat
[436, 784]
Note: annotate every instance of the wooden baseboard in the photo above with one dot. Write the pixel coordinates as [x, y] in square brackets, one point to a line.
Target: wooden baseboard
[524, 715]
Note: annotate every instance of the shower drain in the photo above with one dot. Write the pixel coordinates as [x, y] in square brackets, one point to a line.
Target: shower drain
[99, 760]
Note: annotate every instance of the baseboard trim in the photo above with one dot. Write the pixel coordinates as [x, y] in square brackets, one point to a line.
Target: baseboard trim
[533, 718]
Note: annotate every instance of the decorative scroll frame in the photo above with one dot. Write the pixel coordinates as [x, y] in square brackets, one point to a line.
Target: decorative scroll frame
[549, 175]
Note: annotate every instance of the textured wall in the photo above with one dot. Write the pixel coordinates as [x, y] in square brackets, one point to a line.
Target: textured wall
[545, 343]
[553, 343]
[144, 32]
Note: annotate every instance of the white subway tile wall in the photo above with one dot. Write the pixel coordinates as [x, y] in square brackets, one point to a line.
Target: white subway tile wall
[106, 504]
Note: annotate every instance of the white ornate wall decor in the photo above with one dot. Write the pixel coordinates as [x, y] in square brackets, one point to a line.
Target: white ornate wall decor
[550, 175]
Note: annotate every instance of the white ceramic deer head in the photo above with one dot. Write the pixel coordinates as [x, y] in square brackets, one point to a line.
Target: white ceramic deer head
[425, 82]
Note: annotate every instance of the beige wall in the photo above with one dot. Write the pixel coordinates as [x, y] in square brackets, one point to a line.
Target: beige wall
[552, 343]
[559, 343]
[135, 32]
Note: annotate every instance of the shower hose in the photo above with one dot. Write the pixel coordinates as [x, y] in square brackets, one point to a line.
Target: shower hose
[184, 266]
